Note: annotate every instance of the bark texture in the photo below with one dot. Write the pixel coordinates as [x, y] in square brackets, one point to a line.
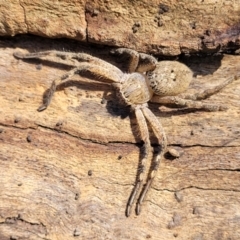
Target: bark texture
[159, 27]
[67, 172]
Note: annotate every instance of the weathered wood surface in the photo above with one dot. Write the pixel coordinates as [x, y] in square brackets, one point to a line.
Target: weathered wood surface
[168, 27]
[67, 172]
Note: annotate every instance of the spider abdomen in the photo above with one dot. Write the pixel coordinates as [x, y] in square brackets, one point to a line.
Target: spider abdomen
[135, 89]
[169, 78]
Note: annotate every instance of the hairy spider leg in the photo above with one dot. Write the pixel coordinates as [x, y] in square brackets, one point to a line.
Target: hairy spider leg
[143, 129]
[147, 63]
[209, 92]
[134, 57]
[185, 103]
[82, 57]
[101, 73]
[190, 100]
[139, 62]
[162, 140]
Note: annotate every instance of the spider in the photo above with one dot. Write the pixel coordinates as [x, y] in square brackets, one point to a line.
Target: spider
[146, 79]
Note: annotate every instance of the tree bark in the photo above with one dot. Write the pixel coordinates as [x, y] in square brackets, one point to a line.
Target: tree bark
[67, 172]
[158, 27]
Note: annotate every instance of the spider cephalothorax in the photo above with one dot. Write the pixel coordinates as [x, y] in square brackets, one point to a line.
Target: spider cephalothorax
[146, 80]
[134, 89]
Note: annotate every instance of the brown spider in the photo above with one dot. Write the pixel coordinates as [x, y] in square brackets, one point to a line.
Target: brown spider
[146, 77]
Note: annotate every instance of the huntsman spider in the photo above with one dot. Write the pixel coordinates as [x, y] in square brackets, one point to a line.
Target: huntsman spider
[146, 79]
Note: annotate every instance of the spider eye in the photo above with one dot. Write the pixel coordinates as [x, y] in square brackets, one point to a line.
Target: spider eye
[173, 76]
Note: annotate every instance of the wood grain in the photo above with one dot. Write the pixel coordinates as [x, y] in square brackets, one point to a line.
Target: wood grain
[67, 172]
[166, 27]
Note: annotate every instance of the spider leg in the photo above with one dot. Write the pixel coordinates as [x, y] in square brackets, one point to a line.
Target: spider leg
[160, 134]
[190, 100]
[80, 57]
[101, 73]
[134, 57]
[54, 53]
[181, 102]
[139, 62]
[143, 129]
[146, 63]
[209, 92]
